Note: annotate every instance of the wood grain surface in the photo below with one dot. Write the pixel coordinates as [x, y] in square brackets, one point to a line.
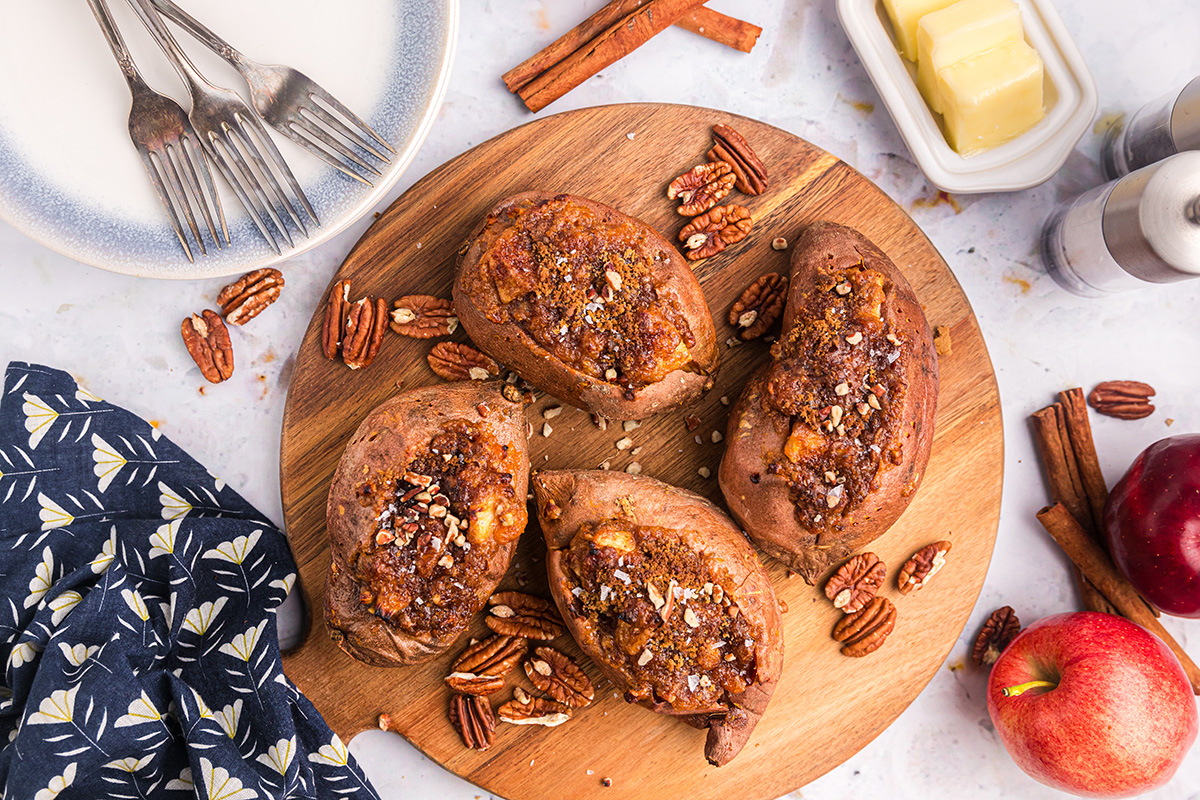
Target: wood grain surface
[826, 706]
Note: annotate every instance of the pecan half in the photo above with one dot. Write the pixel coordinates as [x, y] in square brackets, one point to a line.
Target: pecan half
[470, 683]
[336, 306]
[365, 325]
[245, 298]
[423, 317]
[702, 187]
[207, 342]
[519, 614]
[759, 307]
[856, 582]
[1122, 399]
[526, 710]
[923, 565]
[731, 147]
[866, 630]
[557, 675]
[998, 632]
[452, 361]
[471, 715]
[709, 234]
[494, 656]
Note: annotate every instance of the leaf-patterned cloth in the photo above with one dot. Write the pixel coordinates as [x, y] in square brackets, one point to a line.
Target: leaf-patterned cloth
[137, 618]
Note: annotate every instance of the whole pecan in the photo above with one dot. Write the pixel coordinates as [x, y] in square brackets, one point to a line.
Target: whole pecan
[452, 361]
[702, 187]
[336, 306]
[1122, 399]
[471, 715]
[866, 630]
[526, 710]
[731, 147]
[495, 656]
[709, 234]
[998, 632]
[207, 341]
[245, 298]
[759, 307]
[365, 325]
[923, 565]
[423, 317]
[520, 614]
[557, 675]
[856, 582]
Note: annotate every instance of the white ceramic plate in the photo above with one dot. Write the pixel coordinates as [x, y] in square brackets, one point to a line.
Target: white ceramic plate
[71, 179]
[1028, 160]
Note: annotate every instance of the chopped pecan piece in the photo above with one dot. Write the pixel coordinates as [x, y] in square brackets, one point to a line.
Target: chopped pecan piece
[470, 683]
[245, 298]
[924, 564]
[495, 656]
[452, 361]
[364, 331]
[1122, 399]
[207, 342]
[526, 710]
[557, 675]
[336, 306]
[471, 715]
[998, 632]
[731, 147]
[702, 187]
[760, 306]
[519, 614]
[423, 317]
[709, 234]
[856, 582]
[864, 631]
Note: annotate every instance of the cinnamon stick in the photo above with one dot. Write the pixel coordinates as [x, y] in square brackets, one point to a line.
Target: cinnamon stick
[614, 43]
[722, 29]
[1079, 431]
[1098, 568]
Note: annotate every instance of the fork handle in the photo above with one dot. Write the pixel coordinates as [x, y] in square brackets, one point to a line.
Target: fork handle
[179, 59]
[120, 52]
[204, 34]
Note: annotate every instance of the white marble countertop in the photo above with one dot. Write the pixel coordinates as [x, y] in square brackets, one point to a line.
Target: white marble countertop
[119, 335]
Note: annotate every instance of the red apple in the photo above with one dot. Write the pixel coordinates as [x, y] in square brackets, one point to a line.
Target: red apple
[1092, 704]
[1152, 522]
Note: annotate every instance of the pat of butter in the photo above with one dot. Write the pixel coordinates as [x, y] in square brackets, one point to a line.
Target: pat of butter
[992, 97]
[965, 29]
[904, 15]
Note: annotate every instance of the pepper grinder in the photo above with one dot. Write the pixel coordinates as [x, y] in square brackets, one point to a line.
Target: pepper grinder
[1144, 227]
[1160, 129]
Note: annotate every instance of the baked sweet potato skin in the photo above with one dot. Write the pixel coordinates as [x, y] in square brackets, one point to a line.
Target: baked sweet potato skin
[569, 499]
[385, 443]
[763, 497]
[479, 307]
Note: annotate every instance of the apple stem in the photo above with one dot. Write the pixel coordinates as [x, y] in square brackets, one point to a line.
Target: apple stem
[1021, 688]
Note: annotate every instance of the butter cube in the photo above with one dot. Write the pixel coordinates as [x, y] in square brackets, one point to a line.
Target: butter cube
[992, 97]
[965, 29]
[904, 15]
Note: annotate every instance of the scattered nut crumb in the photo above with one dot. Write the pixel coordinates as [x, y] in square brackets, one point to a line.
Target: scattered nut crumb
[704, 472]
[546, 429]
[1169, 422]
[610, 374]
[605, 464]
[635, 451]
[717, 437]
[779, 243]
[691, 422]
[385, 722]
[606, 782]
[630, 425]
[941, 340]
[724, 400]
[624, 443]
[552, 412]
[630, 135]
[634, 469]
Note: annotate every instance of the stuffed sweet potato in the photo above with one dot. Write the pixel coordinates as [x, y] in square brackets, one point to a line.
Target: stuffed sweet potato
[828, 442]
[424, 514]
[666, 596]
[586, 303]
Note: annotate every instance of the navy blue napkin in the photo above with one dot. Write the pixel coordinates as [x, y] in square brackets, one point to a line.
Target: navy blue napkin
[137, 618]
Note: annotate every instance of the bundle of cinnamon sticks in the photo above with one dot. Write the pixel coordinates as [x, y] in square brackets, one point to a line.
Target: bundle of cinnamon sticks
[1063, 436]
[612, 33]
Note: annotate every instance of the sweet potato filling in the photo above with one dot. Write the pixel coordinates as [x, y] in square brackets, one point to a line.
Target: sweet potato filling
[664, 614]
[835, 378]
[582, 287]
[439, 520]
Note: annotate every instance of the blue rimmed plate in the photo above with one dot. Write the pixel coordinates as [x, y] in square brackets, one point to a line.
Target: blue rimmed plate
[70, 178]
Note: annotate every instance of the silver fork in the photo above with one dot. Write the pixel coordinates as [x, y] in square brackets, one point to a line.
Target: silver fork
[168, 146]
[294, 104]
[235, 140]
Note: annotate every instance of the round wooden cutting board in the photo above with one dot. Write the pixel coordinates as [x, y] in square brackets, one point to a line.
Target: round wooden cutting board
[826, 706]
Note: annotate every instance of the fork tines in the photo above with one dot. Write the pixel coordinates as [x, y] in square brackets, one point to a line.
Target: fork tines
[341, 142]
